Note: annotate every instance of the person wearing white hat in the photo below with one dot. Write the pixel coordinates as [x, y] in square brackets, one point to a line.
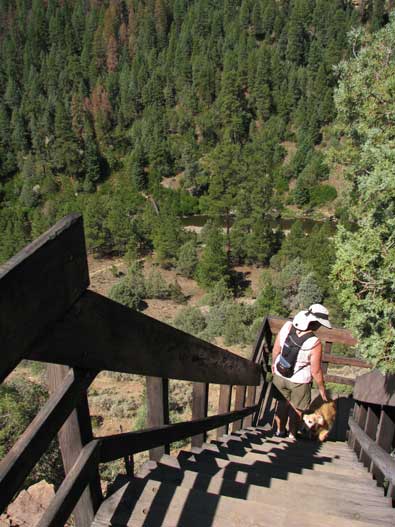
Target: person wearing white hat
[296, 361]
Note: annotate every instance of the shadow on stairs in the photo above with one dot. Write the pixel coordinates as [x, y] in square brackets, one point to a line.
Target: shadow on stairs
[250, 479]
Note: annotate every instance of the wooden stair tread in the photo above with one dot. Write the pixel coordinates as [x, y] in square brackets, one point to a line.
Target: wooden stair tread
[302, 455]
[301, 446]
[260, 476]
[263, 462]
[153, 503]
[232, 488]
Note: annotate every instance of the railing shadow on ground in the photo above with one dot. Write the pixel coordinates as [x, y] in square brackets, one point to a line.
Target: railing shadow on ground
[200, 509]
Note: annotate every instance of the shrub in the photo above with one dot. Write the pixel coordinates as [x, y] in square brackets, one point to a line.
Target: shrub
[321, 194]
[156, 286]
[187, 259]
[131, 290]
[190, 320]
[219, 293]
[20, 401]
[176, 294]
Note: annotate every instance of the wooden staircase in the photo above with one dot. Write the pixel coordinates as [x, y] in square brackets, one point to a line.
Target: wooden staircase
[247, 478]
[251, 479]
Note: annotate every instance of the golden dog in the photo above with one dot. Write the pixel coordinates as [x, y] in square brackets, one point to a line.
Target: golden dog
[320, 418]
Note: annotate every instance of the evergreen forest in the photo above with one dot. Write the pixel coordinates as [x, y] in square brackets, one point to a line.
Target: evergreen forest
[139, 113]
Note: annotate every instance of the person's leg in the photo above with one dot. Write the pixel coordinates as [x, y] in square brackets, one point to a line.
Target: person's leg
[281, 415]
[295, 417]
[282, 394]
[299, 402]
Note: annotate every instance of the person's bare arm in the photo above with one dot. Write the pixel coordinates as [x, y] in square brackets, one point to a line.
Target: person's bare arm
[316, 370]
[276, 350]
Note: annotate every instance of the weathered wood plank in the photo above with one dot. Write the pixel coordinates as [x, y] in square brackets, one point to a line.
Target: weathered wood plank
[239, 404]
[38, 285]
[384, 462]
[199, 409]
[101, 334]
[375, 388]
[70, 491]
[20, 460]
[157, 410]
[339, 380]
[225, 396]
[339, 335]
[384, 438]
[120, 445]
[73, 436]
[371, 425]
[346, 361]
[361, 420]
[250, 400]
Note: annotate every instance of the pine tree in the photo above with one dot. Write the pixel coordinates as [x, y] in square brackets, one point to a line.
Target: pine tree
[212, 265]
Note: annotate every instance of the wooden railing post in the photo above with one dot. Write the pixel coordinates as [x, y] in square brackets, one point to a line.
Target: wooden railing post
[372, 421]
[250, 401]
[157, 410]
[225, 396]
[239, 404]
[384, 438]
[73, 436]
[361, 420]
[199, 409]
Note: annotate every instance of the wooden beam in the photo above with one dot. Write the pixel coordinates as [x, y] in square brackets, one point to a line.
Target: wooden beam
[384, 462]
[101, 334]
[371, 425]
[38, 285]
[157, 410]
[338, 335]
[339, 380]
[73, 436]
[384, 438]
[199, 409]
[20, 460]
[375, 388]
[346, 361]
[225, 397]
[250, 400]
[360, 420]
[239, 404]
[120, 445]
[70, 491]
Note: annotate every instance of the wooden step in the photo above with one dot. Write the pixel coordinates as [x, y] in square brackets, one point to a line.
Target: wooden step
[154, 470]
[150, 503]
[254, 475]
[327, 448]
[300, 454]
[333, 501]
[172, 465]
[263, 462]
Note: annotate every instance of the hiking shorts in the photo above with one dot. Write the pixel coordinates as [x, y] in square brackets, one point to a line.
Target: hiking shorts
[299, 395]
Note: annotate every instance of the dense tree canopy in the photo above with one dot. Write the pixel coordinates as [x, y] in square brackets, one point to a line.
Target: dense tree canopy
[134, 91]
[365, 264]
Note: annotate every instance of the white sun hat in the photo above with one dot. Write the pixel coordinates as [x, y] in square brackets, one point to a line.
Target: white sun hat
[315, 313]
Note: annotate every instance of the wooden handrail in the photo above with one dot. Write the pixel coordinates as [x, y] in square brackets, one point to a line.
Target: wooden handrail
[120, 445]
[345, 361]
[22, 457]
[38, 285]
[381, 459]
[98, 333]
[72, 486]
[339, 335]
